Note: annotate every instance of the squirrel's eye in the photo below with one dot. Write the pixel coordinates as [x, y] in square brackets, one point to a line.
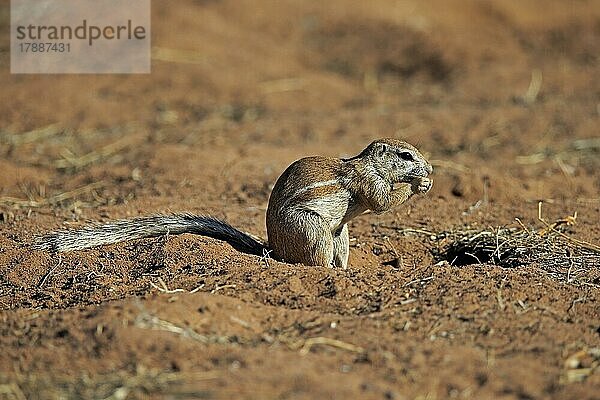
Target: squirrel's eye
[406, 156]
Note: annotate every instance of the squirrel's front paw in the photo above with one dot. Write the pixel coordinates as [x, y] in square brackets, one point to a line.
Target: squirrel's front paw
[421, 185]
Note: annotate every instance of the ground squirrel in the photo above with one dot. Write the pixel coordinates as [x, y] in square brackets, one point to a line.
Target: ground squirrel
[308, 211]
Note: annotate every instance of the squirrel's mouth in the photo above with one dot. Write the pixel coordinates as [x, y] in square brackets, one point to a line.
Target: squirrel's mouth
[418, 173]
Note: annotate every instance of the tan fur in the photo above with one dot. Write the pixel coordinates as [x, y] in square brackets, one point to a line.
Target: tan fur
[308, 211]
[316, 196]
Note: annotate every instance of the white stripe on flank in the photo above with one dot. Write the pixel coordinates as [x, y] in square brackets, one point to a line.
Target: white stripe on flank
[315, 185]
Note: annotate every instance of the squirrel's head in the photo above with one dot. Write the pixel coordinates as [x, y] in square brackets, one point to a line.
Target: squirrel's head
[397, 161]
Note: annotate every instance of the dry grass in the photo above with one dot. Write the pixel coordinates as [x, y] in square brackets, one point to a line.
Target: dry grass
[550, 248]
[513, 247]
[36, 201]
[578, 152]
[562, 257]
[137, 384]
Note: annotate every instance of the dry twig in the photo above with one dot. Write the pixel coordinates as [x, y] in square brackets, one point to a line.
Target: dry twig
[308, 344]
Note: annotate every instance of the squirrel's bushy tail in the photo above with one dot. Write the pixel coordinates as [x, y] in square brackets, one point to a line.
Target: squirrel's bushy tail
[146, 227]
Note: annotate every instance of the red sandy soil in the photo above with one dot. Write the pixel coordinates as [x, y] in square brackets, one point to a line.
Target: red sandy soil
[242, 90]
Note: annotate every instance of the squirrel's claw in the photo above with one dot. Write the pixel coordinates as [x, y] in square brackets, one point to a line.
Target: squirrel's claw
[422, 185]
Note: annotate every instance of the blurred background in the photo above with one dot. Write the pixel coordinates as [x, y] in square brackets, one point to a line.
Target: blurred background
[503, 97]
[468, 81]
[263, 58]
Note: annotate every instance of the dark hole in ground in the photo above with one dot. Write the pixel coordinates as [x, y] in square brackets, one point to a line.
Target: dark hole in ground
[502, 248]
[551, 250]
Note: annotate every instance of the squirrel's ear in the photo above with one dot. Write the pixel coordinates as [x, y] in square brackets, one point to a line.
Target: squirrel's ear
[383, 148]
